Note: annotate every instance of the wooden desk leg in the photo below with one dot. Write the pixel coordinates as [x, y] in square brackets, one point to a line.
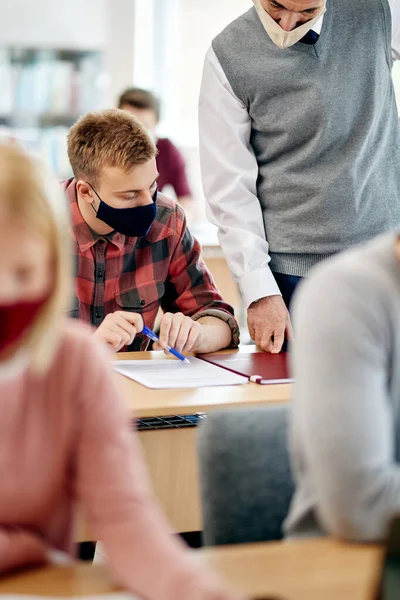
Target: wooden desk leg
[223, 278]
[171, 457]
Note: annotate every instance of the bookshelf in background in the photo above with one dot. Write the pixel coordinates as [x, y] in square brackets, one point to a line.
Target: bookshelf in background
[42, 94]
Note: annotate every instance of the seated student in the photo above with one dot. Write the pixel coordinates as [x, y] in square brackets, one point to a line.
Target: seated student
[64, 432]
[134, 252]
[170, 163]
[346, 412]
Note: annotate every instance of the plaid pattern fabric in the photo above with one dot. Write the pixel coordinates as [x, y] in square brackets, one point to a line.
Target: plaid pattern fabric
[163, 269]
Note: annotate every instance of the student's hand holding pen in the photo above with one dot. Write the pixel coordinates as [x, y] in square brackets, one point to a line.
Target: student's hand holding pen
[208, 334]
[179, 332]
[119, 329]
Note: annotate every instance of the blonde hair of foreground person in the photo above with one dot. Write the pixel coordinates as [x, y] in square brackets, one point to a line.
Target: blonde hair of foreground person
[28, 192]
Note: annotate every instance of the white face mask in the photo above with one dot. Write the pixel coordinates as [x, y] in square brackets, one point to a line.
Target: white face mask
[280, 37]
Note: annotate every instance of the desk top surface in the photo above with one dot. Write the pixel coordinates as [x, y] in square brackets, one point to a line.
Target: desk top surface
[145, 402]
[304, 570]
[313, 569]
[78, 580]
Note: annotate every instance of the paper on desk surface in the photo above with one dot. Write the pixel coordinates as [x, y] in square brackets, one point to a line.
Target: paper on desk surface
[166, 374]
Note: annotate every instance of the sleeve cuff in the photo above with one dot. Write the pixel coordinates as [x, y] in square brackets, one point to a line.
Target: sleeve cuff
[56, 557]
[258, 284]
[224, 316]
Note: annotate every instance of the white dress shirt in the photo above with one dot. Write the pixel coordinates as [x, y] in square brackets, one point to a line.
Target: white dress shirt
[230, 183]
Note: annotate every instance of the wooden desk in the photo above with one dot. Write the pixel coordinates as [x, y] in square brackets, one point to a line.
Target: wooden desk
[171, 454]
[77, 580]
[314, 569]
[319, 569]
[145, 402]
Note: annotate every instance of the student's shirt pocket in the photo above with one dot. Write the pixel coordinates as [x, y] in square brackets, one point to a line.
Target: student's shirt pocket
[144, 299]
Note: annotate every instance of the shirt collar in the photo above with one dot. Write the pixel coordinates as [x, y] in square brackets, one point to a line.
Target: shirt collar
[81, 231]
[318, 25]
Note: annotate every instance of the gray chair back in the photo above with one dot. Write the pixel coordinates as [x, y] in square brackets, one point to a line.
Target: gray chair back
[246, 482]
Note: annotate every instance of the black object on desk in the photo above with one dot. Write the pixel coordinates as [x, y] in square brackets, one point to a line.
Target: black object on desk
[170, 422]
[268, 598]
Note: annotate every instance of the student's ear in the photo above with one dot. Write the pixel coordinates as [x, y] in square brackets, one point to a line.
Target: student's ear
[85, 191]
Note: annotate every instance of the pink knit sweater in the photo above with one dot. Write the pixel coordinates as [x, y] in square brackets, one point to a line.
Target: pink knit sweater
[64, 437]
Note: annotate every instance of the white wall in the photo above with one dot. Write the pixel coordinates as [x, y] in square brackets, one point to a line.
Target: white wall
[106, 25]
[182, 31]
[53, 23]
[200, 22]
[119, 47]
[172, 38]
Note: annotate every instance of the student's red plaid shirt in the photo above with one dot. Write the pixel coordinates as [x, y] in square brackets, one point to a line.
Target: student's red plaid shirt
[163, 269]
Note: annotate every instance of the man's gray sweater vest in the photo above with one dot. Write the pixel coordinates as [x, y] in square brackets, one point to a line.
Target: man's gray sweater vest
[324, 130]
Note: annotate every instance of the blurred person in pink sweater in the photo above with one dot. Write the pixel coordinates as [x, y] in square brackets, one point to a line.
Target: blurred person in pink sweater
[65, 434]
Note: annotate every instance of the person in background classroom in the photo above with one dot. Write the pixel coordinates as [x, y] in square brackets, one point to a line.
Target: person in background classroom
[170, 163]
[346, 405]
[65, 434]
[134, 252]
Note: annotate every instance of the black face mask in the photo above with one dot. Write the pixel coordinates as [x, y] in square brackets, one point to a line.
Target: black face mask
[135, 222]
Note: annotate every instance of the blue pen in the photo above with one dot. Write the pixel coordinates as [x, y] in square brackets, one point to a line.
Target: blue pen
[150, 334]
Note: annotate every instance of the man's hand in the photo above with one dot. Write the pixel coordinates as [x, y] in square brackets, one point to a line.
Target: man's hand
[119, 329]
[179, 332]
[268, 321]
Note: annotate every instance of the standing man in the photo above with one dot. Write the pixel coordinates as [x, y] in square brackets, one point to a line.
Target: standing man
[299, 143]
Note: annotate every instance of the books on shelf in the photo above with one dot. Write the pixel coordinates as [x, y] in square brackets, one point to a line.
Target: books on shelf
[36, 83]
[42, 93]
[50, 145]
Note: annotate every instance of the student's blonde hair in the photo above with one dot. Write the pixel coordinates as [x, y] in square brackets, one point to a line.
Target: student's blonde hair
[28, 192]
[108, 138]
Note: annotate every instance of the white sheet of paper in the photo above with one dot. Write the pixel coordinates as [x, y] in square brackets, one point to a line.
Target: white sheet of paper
[165, 374]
